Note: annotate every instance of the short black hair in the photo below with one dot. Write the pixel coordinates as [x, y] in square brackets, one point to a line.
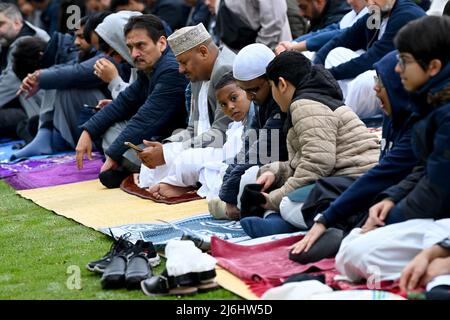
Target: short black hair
[226, 79]
[26, 56]
[103, 46]
[149, 22]
[93, 21]
[117, 3]
[83, 21]
[293, 66]
[446, 11]
[425, 39]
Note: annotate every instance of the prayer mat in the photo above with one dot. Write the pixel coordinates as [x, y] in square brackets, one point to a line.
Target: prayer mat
[130, 187]
[6, 149]
[230, 282]
[203, 225]
[8, 169]
[58, 172]
[95, 206]
[262, 266]
[244, 261]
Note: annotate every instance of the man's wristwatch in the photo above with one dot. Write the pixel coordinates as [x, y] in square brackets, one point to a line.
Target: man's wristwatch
[319, 218]
[444, 243]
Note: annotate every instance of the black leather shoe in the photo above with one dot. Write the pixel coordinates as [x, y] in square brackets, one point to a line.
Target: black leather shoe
[138, 269]
[114, 275]
[113, 178]
[168, 285]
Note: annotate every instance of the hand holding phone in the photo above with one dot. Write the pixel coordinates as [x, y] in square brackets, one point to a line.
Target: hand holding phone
[90, 107]
[132, 146]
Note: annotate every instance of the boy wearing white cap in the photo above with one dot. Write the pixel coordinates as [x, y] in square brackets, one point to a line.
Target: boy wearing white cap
[249, 70]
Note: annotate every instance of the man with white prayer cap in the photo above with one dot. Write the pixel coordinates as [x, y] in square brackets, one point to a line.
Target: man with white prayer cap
[249, 69]
[204, 64]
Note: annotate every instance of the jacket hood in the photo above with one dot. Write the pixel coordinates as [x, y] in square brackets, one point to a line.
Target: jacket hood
[320, 85]
[398, 96]
[111, 30]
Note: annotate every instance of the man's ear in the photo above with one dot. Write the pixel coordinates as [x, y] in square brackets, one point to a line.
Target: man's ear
[203, 51]
[434, 67]
[282, 84]
[18, 24]
[162, 41]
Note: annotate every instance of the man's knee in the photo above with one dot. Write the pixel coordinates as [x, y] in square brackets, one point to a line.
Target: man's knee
[338, 56]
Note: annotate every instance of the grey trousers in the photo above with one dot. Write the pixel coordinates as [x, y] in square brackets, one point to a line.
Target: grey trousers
[111, 135]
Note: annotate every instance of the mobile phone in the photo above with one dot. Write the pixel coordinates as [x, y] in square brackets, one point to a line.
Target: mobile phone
[90, 107]
[132, 146]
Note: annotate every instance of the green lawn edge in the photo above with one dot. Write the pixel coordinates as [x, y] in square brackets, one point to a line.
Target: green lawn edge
[43, 256]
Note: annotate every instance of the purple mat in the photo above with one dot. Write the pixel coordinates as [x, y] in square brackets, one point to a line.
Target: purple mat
[55, 174]
[51, 171]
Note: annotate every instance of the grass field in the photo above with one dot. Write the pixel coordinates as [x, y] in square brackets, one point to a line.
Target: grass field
[43, 256]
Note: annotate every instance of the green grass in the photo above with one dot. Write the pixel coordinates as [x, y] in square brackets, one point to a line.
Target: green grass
[37, 247]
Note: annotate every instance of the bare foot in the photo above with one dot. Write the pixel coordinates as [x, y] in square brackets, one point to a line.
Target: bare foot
[153, 189]
[170, 191]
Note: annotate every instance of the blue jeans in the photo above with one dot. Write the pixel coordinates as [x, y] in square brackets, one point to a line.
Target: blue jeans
[257, 227]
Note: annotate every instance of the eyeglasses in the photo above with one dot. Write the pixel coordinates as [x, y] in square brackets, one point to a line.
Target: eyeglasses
[252, 91]
[378, 82]
[402, 62]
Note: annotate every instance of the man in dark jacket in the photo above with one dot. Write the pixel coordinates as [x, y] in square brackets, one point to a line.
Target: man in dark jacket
[153, 104]
[68, 82]
[249, 70]
[397, 160]
[351, 55]
[14, 109]
[425, 71]
[322, 13]
[414, 215]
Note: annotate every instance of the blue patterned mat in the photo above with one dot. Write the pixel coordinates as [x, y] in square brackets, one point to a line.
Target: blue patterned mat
[161, 233]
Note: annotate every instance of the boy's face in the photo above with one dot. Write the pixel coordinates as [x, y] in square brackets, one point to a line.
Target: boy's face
[412, 75]
[281, 96]
[234, 101]
[382, 95]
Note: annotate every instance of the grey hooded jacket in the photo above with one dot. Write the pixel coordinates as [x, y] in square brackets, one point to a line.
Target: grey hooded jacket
[111, 31]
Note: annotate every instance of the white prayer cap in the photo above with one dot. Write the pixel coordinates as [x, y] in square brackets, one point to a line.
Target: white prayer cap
[251, 62]
[186, 38]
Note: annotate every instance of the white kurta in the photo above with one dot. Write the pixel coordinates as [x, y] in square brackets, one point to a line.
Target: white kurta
[383, 253]
[358, 92]
[187, 167]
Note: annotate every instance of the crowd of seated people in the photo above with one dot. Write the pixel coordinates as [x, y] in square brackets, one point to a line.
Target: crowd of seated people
[272, 132]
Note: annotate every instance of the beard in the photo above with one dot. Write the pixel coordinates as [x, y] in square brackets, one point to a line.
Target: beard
[387, 7]
[316, 15]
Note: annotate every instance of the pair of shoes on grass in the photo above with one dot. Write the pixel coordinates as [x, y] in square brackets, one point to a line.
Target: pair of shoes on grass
[188, 271]
[126, 264]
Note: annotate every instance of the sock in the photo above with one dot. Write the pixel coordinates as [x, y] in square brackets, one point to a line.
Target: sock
[41, 144]
[325, 247]
[113, 178]
[58, 142]
[257, 227]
